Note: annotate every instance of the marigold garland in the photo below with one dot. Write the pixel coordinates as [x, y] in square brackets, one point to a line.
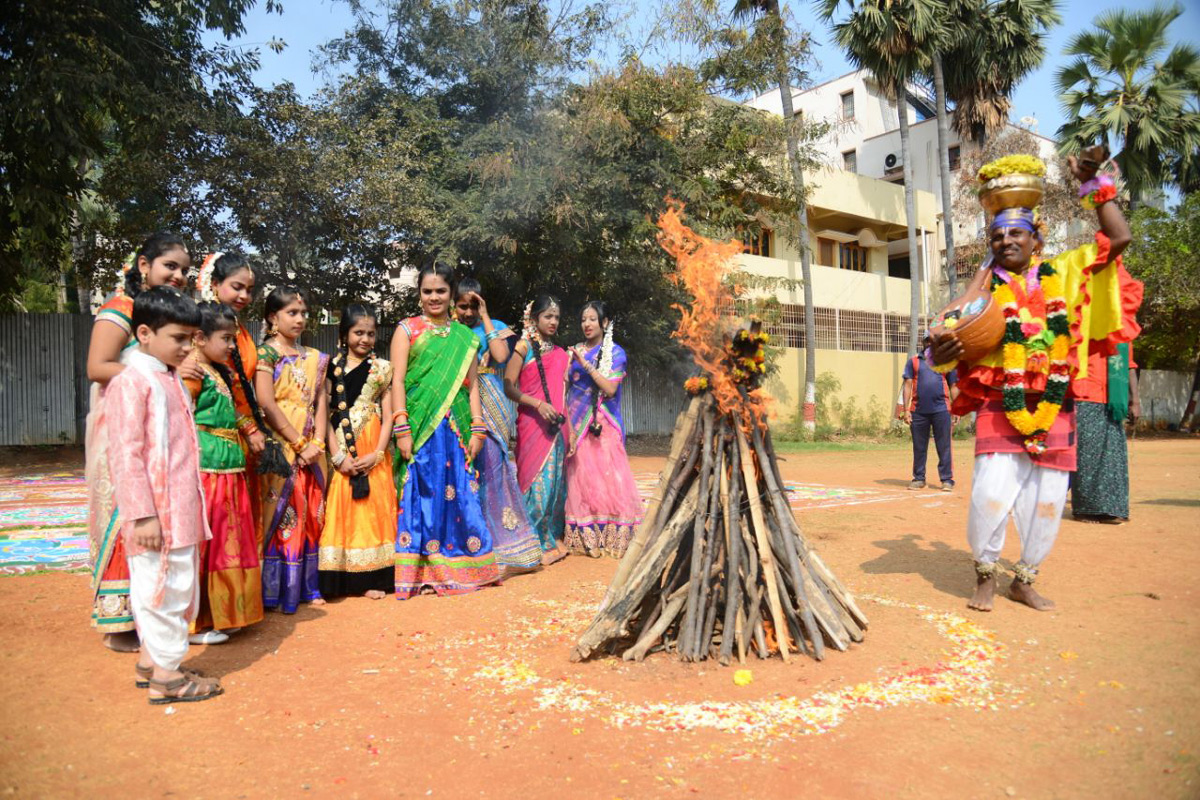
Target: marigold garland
[1034, 425]
[1012, 165]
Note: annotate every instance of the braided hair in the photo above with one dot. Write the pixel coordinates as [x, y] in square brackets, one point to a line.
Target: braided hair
[536, 308]
[339, 418]
[155, 245]
[595, 427]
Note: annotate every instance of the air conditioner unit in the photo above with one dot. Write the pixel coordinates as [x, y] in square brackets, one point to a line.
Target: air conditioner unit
[893, 162]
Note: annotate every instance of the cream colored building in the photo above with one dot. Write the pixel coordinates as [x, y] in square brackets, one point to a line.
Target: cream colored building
[862, 311]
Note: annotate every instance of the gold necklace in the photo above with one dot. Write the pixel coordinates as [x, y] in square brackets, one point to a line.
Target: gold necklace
[437, 329]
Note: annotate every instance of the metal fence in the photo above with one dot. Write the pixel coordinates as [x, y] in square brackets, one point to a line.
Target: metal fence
[44, 386]
[845, 329]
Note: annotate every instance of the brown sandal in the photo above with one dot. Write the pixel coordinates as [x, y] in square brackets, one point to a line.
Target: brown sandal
[145, 674]
[185, 689]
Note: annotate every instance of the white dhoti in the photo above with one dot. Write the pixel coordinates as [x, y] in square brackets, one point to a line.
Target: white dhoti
[1011, 483]
[163, 629]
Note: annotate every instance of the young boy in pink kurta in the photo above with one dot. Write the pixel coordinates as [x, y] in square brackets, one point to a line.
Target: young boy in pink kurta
[154, 459]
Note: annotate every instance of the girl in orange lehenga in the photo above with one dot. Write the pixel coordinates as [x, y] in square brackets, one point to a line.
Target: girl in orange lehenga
[358, 543]
[162, 260]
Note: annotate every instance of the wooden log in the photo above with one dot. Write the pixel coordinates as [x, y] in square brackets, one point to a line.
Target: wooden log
[764, 547]
[684, 428]
[615, 617]
[691, 609]
[651, 635]
[710, 541]
[733, 588]
[813, 605]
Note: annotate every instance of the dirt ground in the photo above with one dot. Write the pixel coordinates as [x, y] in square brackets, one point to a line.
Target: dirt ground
[475, 695]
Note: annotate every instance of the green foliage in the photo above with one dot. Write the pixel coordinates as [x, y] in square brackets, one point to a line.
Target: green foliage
[1127, 89]
[837, 417]
[82, 81]
[1165, 256]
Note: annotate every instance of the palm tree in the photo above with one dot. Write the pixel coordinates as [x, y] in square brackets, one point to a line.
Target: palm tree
[1121, 90]
[1010, 33]
[769, 9]
[891, 40]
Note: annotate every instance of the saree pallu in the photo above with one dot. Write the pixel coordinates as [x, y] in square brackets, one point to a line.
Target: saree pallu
[1100, 485]
[540, 453]
[247, 354]
[442, 541]
[111, 610]
[357, 544]
[293, 508]
[516, 545]
[230, 571]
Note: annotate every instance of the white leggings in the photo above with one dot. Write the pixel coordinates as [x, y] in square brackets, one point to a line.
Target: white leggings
[1011, 483]
[164, 629]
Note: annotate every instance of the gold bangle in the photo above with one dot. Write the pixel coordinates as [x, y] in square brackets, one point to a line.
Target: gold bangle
[320, 445]
[299, 445]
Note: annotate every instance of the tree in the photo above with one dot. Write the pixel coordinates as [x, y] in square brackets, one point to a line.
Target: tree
[1009, 34]
[891, 39]
[1165, 256]
[80, 79]
[769, 52]
[1122, 90]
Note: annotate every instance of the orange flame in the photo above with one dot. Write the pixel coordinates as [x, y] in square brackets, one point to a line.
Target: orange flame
[701, 266]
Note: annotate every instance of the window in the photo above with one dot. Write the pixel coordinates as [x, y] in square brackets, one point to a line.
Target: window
[850, 161]
[853, 257]
[898, 267]
[848, 105]
[825, 252]
[762, 243]
[955, 157]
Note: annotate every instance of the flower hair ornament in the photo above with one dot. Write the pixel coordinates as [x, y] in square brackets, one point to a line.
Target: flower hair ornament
[204, 281]
[606, 349]
[129, 263]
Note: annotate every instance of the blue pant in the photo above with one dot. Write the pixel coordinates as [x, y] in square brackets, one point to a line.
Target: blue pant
[939, 422]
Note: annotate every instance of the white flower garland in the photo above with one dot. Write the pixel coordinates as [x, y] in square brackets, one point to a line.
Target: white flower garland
[204, 281]
[606, 350]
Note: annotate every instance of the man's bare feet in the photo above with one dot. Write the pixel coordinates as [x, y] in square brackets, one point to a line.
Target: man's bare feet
[375, 594]
[319, 601]
[1023, 593]
[985, 593]
[125, 642]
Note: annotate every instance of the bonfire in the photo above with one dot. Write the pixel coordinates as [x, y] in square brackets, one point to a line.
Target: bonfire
[719, 566]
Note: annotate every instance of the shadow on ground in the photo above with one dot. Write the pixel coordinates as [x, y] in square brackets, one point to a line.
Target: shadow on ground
[256, 642]
[947, 569]
[1186, 502]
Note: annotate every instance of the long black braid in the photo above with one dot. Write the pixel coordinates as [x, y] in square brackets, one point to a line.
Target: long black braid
[542, 303]
[595, 427]
[339, 418]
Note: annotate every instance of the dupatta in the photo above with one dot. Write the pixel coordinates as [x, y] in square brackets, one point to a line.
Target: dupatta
[581, 394]
[433, 384]
[534, 442]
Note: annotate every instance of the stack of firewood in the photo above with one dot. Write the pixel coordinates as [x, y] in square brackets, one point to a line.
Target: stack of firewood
[719, 566]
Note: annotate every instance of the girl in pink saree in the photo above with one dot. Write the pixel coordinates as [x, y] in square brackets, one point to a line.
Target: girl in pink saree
[535, 379]
[603, 504]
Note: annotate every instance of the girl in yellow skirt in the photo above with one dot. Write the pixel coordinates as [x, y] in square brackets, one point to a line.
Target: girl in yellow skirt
[357, 554]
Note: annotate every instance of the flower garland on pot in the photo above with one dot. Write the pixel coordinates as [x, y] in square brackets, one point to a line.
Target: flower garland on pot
[1034, 425]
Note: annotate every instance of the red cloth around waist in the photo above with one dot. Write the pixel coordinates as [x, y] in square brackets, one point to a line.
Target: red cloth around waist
[995, 434]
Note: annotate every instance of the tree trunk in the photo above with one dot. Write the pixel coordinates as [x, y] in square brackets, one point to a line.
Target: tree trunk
[943, 134]
[793, 155]
[910, 212]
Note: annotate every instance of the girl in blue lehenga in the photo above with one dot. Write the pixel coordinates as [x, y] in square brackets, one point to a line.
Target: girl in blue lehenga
[442, 540]
[514, 542]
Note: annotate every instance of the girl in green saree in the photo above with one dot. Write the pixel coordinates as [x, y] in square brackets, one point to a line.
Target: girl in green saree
[442, 540]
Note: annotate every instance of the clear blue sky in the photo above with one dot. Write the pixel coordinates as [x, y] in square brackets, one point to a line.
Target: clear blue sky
[306, 24]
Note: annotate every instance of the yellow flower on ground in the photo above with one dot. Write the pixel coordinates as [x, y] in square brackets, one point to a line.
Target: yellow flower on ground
[743, 677]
